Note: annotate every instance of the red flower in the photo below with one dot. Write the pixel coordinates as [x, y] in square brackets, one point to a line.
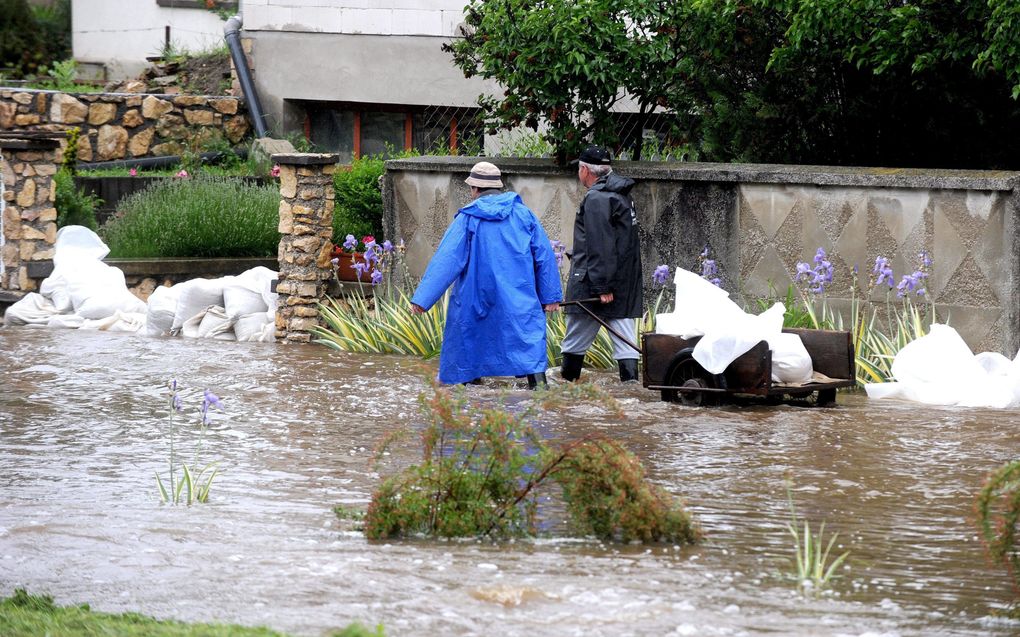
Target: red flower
[367, 239]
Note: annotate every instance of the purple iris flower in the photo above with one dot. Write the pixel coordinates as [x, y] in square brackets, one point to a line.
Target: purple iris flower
[885, 275]
[387, 246]
[925, 259]
[820, 256]
[709, 269]
[661, 274]
[377, 277]
[350, 242]
[704, 253]
[209, 399]
[335, 260]
[359, 268]
[177, 402]
[803, 270]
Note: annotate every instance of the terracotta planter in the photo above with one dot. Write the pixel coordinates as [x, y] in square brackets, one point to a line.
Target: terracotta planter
[345, 268]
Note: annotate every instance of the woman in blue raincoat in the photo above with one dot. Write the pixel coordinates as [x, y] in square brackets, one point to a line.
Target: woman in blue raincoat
[503, 271]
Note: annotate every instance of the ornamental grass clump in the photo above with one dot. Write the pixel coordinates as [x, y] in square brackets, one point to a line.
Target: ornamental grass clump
[998, 520]
[484, 472]
[197, 217]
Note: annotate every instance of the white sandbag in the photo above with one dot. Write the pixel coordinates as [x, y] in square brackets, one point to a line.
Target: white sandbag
[732, 335]
[212, 322]
[994, 363]
[117, 322]
[239, 300]
[108, 303]
[160, 309]
[54, 287]
[77, 243]
[195, 296]
[66, 321]
[791, 362]
[250, 327]
[699, 305]
[939, 369]
[31, 309]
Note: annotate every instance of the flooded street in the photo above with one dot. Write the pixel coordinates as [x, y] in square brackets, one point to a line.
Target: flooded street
[83, 430]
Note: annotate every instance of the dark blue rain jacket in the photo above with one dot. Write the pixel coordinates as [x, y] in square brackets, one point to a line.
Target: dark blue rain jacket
[503, 270]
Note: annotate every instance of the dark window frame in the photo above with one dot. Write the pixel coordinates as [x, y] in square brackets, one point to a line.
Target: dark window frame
[228, 5]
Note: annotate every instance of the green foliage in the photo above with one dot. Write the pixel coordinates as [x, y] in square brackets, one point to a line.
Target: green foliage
[814, 571]
[608, 496]
[23, 45]
[382, 325]
[190, 487]
[25, 615]
[998, 518]
[74, 206]
[482, 470]
[567, 63]
[358, 206]
[924, 83]
[203, 217]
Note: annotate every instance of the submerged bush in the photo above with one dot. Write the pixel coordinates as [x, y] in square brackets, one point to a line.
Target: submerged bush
[483, 470]
[204, 217]
[998, 519]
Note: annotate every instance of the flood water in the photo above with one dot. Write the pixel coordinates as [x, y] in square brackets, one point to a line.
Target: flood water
[83, 424]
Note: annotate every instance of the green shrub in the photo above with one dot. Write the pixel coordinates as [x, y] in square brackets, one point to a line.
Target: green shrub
[74, 207]
[204, 217]
[484, 472]
[358, 208]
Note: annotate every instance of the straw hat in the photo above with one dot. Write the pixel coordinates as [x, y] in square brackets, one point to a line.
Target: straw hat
[484, 175]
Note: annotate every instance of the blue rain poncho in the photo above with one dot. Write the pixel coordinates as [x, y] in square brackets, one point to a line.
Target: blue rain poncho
[503, 270]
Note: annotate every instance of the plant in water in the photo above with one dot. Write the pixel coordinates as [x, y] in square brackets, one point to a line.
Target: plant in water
[998, 520]
[483, 469]
[815, 564]
[709, 268]
[193, 484]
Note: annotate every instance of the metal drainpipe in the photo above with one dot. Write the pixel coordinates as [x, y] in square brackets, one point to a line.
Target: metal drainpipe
[232, 33]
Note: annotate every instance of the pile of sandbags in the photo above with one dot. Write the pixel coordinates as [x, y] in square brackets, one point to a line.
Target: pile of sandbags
[85, 293]
[940, 369]
[727, 331]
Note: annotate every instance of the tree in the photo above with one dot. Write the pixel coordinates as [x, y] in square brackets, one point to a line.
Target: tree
[568, 63]
[925, 83]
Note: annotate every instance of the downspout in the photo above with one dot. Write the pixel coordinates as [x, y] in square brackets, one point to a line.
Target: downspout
[232, 33]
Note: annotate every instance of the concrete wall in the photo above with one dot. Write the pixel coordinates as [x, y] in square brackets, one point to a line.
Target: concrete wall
[368, 17]
[373, 69]
[122, 33]
[760, 220]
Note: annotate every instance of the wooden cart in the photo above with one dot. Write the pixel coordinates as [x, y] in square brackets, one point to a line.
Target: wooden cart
[669, 367]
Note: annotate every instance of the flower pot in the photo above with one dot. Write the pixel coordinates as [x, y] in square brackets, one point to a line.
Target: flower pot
[345, 268]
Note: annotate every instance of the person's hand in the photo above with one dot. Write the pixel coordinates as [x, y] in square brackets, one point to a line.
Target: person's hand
[551, 307]
[606, 298]
[417, 309]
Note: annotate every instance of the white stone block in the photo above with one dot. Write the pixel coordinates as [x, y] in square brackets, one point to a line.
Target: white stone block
[411, 22]
[318, 19]
[367, 21]
[451, 23]
[267, 18]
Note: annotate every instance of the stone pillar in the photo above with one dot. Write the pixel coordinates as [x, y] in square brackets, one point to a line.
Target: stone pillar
[306, 226]
[29, 219]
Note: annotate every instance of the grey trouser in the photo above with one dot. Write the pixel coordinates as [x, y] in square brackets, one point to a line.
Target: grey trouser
[582, 330]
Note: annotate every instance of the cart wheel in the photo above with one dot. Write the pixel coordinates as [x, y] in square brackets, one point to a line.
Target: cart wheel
[684, 371]
[826, 398]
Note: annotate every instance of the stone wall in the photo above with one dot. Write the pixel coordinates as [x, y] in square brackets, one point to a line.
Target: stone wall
[760, 220]
[126, 125]
[29, 219]
[306, 226]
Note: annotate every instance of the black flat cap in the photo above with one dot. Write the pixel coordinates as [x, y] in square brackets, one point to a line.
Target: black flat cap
[595, 155]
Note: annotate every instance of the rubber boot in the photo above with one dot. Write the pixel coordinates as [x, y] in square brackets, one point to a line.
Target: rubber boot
[572, 364]
[537, 380]
[628, 370]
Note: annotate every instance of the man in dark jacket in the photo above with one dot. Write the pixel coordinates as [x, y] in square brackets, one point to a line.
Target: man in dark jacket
[606, 263]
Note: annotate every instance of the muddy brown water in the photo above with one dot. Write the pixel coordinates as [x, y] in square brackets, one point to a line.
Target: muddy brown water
[83, 430]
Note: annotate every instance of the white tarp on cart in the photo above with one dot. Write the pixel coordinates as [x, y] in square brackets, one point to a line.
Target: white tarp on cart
[727, 331]
[940, 369]
[85, 293]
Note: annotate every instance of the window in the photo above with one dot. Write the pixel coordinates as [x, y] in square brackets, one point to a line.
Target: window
[354, 130]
